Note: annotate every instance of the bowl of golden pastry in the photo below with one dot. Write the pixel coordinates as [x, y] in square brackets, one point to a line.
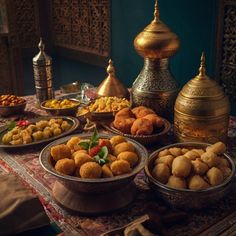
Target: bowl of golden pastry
[94, 168]
[60, 107]
[190, 175]
[11, 105]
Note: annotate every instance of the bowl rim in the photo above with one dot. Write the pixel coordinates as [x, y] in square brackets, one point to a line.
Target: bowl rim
[43, 159]
[14, 106]
[60, 109]
[172, 189]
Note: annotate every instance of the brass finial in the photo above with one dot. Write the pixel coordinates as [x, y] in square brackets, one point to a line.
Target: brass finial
[202, 68]
[156, 12]
[111, 69]
[41, 45]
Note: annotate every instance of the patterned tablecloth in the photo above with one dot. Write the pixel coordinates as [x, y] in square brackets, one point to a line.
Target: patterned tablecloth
[216, 220]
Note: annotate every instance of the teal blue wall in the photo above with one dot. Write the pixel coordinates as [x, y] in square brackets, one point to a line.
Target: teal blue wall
[192, 21]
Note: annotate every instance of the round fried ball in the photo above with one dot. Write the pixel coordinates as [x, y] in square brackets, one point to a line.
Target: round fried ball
[156, 120]
[142, 111]
[161, 172]
[90, 170]
[210, 158]
[165, 159]
[192, 155]
[218, 148]
[131, 157]
[123, 147]
[164, 152]
[223, 162]
[199, 151]
[175, 151]
[199, 167]
[106, 171]
[176, 182]
[124, 113]
[120, 167]
[197, 182]
[142, 126]
[79, 151]
[184, 150]
[117, 139]
[60, 151]
[65, 166]
[111, 158]
[73, 143]
[215, 176]
[181, 166]
[226, 171]
[124, 125]
[81, 158]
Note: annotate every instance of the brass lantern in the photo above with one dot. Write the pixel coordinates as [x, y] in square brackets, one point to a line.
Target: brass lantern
[201, 111]
[155, 86]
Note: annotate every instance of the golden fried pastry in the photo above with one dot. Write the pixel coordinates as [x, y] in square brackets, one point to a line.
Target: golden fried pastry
[196, 182]
[142, 111]
[60, 151]
[210, 158]
[131, 157]
[215, 176]
[81, 158]
[117, 139]
[199, 167]
[184, 150]
[124, 113]
[106, 171]
[65, 166]
[124, 125]
[73, 143]
[176, 182]
[57, 131]
[198, 150]
[161, 172]
[223, 162]
[65, 125]
[37, 136]
[165, 159]
[226, 171]
[123, 147]
[79, 151]
[218, 148]
[181, 166]
[120, 167]
[192, 155]
[90, 170]
[164, 152]
[111, 158]
[156, 120]
[142, 126]
[175, 151]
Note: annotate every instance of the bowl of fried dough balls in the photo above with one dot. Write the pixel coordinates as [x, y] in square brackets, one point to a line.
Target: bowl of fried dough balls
[92, 162]
[190, 175]
[141, 124]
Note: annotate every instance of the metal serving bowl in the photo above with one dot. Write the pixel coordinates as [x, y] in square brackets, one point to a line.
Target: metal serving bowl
[70, 111]
[73, 87]
[187, 198]
[100, 185]
[12, 110]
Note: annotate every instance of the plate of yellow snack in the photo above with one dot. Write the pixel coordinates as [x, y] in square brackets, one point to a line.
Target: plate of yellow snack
[92, 169]
[61, 107]
[191, 175]
[36, 131]
[106, 107]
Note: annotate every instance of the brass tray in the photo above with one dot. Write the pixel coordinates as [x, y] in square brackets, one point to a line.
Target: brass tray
[74, 125]
[143, 139]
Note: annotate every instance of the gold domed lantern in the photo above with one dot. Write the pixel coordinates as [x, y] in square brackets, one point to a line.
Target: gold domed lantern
[201, 111]
[111, 86]
[155, 86]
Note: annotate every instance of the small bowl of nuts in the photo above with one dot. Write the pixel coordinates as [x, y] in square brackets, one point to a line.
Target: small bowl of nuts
[61, 107]
[11, 105]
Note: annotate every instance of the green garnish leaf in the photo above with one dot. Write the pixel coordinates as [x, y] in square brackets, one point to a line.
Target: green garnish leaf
[11, 125]
[94, 139]
[102, 161]
[84, 145]
[97, 158]
[103, 152]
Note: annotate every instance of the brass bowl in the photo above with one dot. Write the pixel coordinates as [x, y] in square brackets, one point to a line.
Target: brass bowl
[187, 198]
[70, 111]
[12, 110]
[74, 87]
[93, 196]
[158, 136]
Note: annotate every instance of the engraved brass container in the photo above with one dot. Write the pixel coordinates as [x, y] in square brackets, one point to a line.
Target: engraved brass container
[201, 110]
[155, 86]
[111, 86]
[42, 65]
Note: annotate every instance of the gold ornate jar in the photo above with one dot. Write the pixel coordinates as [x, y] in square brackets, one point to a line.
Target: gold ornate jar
[201, 111]
[155, 86]
[42, 65]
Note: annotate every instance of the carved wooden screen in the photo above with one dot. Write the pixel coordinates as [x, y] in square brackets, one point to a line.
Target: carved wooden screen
[226, 47]
[82, 28]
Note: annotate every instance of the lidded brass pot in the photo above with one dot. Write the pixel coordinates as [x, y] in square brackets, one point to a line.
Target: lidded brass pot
[42, 65]
[155, 86]
[111, 86]
[201, 110]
